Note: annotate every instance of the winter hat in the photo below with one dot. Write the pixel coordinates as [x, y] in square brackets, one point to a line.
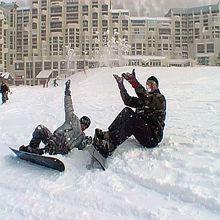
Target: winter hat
[85, 120]
[153, 78]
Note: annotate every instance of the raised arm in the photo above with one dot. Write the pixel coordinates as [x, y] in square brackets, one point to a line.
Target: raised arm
[139, 89]
[128, 100]
[68, 105]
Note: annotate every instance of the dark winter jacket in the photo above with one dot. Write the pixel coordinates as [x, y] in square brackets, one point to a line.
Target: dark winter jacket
[151, 107]
[70, 133]
[4, 88]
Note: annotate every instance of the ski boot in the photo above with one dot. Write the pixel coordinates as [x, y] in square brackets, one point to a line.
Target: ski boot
[102, 143]
[102, 135]
[31, 150]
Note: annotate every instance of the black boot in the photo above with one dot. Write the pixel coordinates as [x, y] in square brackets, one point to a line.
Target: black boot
[104, 147]
[103, 135]
[23, 148]
[31, 150]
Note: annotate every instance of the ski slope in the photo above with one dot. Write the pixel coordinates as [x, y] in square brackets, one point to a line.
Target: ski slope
[178, 180]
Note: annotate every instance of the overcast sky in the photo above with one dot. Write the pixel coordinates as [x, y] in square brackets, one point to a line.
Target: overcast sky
[145, 7]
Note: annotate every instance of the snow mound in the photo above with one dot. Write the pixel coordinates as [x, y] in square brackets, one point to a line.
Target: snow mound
[178, 180]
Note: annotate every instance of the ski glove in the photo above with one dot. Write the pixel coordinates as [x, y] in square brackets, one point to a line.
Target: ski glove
[67, 90]
[86, 141]
[119, 80]
[131, 78]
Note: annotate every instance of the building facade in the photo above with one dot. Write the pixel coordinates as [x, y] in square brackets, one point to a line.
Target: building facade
[66, 35]
[197, 33]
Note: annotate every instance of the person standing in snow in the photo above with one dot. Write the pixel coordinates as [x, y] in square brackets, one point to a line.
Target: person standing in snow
[55, 83]
[146, 123]
[68, 136]
[4, 90]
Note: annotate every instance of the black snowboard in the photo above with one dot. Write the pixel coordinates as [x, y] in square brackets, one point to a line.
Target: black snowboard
[45, 161]
[96, 156]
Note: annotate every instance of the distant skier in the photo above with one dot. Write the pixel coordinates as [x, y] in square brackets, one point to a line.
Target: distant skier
[4, 90]
[55, 83]
[146, 123]
[68, 136]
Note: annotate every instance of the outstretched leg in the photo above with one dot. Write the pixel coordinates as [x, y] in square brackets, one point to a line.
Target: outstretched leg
[127, 123]
[118, 132]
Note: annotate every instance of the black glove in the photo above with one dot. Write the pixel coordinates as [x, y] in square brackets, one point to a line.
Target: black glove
[119, 80]
[67, 90]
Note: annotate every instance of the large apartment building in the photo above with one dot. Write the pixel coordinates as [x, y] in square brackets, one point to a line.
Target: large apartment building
[66, 35]
[197, 33]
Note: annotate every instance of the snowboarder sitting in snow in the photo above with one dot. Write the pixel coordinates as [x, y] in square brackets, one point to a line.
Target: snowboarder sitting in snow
[146, 123]
[4, 90]
[68, 136]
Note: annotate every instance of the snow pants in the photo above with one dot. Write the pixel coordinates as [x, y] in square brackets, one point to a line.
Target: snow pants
[54, 144]
[4, 97]
[129, 123]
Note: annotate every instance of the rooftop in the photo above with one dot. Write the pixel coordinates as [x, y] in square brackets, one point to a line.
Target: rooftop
[195, 10]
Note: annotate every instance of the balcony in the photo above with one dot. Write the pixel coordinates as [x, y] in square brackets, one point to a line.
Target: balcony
[35, 5]
[96, 10]
[71, 25]
[197, 25]
[34, 32]
[54, 4]
[164, 25]
[5, 26]
[85, 17]
[58, 18]
[217, 22]
[115, 25]
[35, 20]
[1, 16]
[177, 18]
[125, 17]
[56, 34]
[26, 29]
[105, 17]
[125, 32]
[105, 2]
[44, 12]
[5, 50]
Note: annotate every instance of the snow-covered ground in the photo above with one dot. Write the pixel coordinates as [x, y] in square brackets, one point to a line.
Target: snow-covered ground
[178, 180]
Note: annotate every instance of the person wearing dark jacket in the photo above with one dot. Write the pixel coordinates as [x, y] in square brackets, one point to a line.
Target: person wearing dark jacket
[146, 123]
[4, 90]
[66, 137]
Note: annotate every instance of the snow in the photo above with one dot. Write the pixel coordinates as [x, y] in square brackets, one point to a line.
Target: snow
[178, 180]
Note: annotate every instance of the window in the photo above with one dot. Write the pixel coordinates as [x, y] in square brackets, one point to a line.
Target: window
[139, 46]
[85, 8]
[104, 7]
[55, 65]
[94, 15]
[85, 23]
[210, 48]
[19, 66]
[47, 65]
[200, 48]
[104, 23]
